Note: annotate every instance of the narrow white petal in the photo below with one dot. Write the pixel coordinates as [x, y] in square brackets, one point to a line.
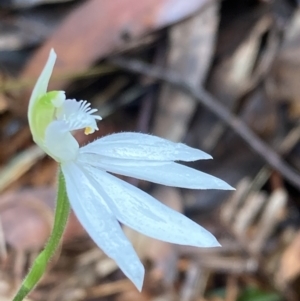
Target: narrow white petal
[145, 214]
[165, 173]
[96, 217]
[139, 146]
[41, 85]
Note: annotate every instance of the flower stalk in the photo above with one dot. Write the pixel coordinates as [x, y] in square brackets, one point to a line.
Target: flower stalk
[40, 264]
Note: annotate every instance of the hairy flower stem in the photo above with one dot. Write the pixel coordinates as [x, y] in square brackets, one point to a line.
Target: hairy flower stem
[39, 266]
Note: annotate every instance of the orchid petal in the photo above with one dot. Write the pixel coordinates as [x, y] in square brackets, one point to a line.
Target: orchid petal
[41, 85]
[78, 115]
[41, 109]
[145, 214]
[139, 146]
[164, 173]
[96, 217]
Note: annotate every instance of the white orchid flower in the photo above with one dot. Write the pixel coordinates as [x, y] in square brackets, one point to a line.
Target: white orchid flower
[101, 200]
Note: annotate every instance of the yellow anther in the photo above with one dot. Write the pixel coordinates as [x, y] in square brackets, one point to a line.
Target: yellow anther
[88, 130]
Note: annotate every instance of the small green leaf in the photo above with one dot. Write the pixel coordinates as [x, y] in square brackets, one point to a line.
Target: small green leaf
[254, 294]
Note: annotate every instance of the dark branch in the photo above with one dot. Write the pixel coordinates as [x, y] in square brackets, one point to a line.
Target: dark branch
[210, 102]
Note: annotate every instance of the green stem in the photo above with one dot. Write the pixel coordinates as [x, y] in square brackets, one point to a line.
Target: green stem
[39, 266]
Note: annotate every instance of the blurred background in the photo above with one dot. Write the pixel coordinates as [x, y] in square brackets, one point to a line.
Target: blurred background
[222, 76]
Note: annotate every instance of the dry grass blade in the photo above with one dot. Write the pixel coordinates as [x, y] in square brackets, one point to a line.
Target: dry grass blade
[19, 165]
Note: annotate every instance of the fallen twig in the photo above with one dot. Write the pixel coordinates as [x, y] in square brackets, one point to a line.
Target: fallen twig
[210, 102]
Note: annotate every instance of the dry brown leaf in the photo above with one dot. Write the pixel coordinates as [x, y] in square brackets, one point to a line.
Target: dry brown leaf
[289, 266]
[104, 27]
[190, 54]
[286, 70]
[26, 219]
